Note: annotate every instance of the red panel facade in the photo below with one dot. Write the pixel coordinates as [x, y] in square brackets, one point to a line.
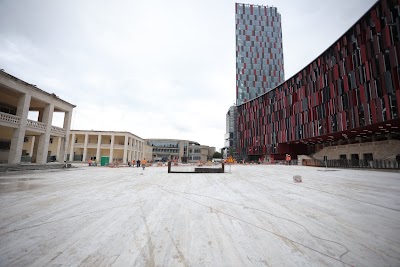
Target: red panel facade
[353, 86]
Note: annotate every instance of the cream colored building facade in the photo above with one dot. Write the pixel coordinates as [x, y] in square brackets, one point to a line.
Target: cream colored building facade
[181, 150]
[119, 147]
[24, 140]
[148, 152]
[200, 153]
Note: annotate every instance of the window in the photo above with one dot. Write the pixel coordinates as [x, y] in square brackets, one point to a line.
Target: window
[7, 109]
[393, 106]
[383, 110]
[5, 144]
[361, 115]
[368, 157]
[388, 82]
[387, 60]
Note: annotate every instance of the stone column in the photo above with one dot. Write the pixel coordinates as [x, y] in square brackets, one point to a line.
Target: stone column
[71, 152]
[138, 150]
[133, 148]
[112, 148]
[134, 155]
[130, 149]
[17, 140]
[58, 154]
[64, 146]
[35, 150]
[32, 144]
[141, 150]
[124, 158]
[44, 139]
[85, 144]
[98, 155]
[40, 116]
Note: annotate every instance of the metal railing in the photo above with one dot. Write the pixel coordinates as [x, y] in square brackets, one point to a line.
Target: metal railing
[353, 163]
[26, 159]
[51, 158]
[77, 158]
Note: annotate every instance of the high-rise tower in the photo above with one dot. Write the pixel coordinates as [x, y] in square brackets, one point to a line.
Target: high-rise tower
[259, 53]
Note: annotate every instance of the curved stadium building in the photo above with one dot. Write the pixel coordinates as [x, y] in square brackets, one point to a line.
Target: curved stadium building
[343, 105]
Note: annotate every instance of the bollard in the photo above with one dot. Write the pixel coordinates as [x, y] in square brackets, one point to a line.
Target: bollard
[297, 179]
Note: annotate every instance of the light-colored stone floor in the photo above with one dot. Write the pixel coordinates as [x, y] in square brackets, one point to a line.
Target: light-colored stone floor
[253, 216]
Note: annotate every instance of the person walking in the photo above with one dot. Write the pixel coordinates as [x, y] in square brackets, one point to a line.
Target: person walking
[144, 163]
[138, 163]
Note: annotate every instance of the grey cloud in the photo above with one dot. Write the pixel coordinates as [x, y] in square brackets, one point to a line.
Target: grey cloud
[157, 69]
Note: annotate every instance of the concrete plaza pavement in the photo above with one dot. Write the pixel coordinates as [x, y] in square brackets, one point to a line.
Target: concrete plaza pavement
[253, 216]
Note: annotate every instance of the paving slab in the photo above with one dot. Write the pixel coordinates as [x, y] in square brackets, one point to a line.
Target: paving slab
[253, 216]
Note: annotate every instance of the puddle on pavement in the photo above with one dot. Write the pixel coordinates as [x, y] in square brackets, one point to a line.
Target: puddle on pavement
[11, 185]
[7, 180]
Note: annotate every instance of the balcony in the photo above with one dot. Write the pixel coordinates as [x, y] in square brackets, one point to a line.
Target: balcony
[13, 121]
[91, 145]
[36, 126]
[57, 131]
[9, 120]
[105, 146]
[79, 145]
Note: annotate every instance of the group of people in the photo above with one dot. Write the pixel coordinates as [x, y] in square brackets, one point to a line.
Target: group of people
[139, 163]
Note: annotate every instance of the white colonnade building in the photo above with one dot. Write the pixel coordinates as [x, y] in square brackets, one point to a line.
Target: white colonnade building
[114, 146]
[33, 140]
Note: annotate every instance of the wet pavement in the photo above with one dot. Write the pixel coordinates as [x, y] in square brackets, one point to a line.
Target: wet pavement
[253, 216]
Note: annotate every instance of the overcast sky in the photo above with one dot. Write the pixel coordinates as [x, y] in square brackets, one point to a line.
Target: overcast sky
[158, 69]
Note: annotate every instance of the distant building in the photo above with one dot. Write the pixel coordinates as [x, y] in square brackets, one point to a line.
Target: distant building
[24, 140]
[147, 152]
[259, 51]
[259, 61]
[118, 147]
[180, 150]
[230, 135]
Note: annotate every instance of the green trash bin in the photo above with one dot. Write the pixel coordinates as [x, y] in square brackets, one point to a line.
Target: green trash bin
[104, 161]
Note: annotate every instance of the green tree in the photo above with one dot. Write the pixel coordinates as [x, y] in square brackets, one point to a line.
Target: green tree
[217, 155]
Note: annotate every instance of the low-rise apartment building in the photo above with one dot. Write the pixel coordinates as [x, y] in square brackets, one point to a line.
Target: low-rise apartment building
[121, 147]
